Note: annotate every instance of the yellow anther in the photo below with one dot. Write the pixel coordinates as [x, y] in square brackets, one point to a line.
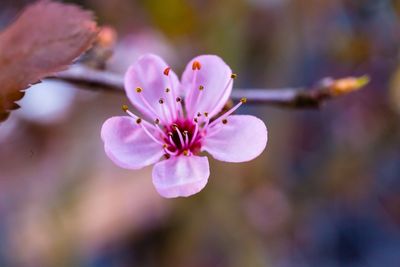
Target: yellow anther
[201, 87]
[165, 146]
[243, 100]
[124, 108]
[186, 152]
[233, 75]
[206, 114]
[139, 90]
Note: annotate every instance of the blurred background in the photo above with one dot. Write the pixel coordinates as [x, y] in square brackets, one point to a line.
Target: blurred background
[326, 191]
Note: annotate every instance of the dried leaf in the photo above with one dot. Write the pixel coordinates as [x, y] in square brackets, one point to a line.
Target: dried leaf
[45, 39]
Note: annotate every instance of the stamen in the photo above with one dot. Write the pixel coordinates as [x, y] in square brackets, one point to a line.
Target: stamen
[180, 105]
[199, 95]
[171, 140]
[171, 103]
[192, 94]
[164, 110]
[179, 134]
[139, 122]
[156, 123]
[186, 134]
[147, 104]
[196, 65]
[233, 76]
[172, 153]
[166, 71]
[196, 130]
[224, 121]
[127, 111]
[207, 120]
[229, 112]
[186, 152]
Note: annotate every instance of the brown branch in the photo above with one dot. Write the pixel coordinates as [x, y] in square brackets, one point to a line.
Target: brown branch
[327, 89]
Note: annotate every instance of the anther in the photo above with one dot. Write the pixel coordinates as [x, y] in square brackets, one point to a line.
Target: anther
[161, 101]
[157, 121]
[167, 90]
[186, 152]
[178, 99]
[196, 120]
[139, 90]
[198, 114]
[185, 132]
[233, 75]
[175, 125]
[201, 87]
[196, 65]
[165, 146]
[243, 100]
[206, 114]
[138, 120]
[124, 108]
[167, 156]
[224, 121]
[166, 71]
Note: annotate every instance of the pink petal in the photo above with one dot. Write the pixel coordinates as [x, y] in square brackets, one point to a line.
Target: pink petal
[242, 139]
[128, 145]
[181, 176]
[215, 76]
[148, 74]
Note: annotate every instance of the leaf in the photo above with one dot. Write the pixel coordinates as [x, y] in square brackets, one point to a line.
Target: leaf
[44, 39]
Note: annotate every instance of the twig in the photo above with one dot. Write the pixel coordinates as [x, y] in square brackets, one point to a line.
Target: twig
[290, 97]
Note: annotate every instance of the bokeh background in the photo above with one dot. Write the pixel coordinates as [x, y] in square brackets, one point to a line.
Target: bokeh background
[326, 191]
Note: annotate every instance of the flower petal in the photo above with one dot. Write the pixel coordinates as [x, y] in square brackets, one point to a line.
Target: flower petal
[126, 143]
[241, 139]
[148, 74]
[215, 76]
[181, 176]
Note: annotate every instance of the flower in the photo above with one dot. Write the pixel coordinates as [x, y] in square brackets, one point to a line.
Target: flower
[186, 121]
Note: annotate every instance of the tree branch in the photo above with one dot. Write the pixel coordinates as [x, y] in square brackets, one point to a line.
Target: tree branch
[314, 97]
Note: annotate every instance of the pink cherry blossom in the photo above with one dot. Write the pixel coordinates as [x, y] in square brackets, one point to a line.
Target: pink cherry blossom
[185, 120]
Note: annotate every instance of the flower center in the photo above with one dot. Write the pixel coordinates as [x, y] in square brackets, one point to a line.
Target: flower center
[183, 138]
